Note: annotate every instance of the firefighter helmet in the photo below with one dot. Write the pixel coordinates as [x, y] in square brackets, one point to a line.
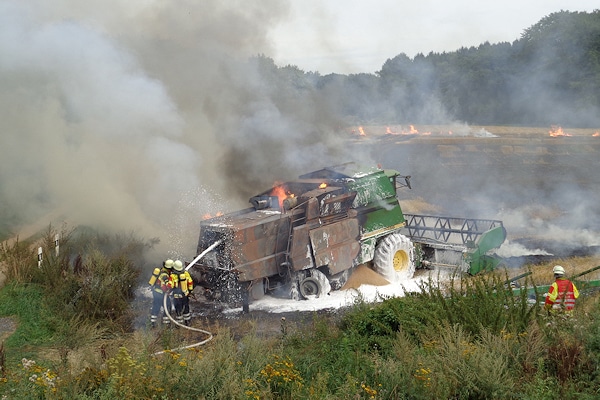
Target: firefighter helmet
[178, 266]
[558, 270]
[168, 264]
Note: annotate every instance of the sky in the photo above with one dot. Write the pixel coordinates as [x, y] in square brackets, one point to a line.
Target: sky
[355, 36]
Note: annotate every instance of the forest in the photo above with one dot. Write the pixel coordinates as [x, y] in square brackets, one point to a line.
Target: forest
[550, 75]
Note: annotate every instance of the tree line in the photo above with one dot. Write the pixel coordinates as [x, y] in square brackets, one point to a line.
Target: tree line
[550, 75]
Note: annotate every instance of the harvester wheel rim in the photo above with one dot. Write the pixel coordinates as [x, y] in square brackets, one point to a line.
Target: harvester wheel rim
[310, 287]
[400, 261]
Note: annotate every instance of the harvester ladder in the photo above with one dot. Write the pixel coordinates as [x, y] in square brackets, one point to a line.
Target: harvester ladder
[293, 222]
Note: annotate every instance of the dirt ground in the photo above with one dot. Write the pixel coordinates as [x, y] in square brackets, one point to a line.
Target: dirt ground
[7, 326]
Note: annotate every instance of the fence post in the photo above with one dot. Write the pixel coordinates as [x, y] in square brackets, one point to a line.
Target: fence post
[39, 257]
[56, 245]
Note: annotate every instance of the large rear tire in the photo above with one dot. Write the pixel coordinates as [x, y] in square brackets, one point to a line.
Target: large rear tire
[394, 258]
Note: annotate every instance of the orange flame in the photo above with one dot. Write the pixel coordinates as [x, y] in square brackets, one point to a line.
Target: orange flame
[282, 193]
[411, 131]
[596, 134]
[557, 131]
[209, 216]
[322, 185]
[361, 131]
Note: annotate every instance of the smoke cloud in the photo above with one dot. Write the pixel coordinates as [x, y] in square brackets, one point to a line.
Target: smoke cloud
[145, 116]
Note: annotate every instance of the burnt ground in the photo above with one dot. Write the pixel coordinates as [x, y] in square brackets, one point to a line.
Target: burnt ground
[543, 188]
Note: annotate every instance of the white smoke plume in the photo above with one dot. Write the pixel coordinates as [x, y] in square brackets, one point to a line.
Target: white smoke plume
[115, 111]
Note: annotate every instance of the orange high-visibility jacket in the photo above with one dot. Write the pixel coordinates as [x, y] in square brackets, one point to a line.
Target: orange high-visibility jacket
[562, 292]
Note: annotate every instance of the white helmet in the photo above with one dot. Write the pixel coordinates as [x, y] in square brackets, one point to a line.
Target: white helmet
[558, 270]
[168, 264]
[178, 266]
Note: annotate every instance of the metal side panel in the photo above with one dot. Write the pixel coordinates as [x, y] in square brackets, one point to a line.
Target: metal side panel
[301, 251]
[256, 242]
[246, 252]
[336, 245]
[267, 266]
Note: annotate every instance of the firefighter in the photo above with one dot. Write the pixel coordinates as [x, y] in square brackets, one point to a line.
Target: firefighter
[159, 282]
[562, 293]
[182, 284]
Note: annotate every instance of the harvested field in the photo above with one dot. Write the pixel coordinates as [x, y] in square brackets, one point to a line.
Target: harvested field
[542, 186]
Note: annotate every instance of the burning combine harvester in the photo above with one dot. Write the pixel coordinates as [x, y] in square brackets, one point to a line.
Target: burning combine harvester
[304, 238]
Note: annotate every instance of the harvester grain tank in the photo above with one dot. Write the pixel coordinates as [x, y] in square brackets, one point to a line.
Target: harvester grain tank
[304, 237]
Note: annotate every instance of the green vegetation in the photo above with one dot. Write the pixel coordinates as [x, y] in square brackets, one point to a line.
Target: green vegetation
[464, 339]
[83, 290]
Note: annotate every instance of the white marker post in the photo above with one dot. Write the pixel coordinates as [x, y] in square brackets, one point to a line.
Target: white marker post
[39, 257]
[56, 245]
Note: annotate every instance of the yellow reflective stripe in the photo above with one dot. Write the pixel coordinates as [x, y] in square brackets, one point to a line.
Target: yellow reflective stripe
[382, 230]
[553, 292]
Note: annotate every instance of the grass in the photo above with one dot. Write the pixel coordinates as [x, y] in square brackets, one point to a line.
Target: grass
[466, 339]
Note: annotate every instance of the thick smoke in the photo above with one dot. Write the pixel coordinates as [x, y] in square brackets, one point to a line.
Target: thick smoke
[146, 116]
[82, 123]
[117, 113]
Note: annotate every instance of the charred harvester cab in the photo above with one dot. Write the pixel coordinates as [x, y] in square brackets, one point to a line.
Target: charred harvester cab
[303, 238]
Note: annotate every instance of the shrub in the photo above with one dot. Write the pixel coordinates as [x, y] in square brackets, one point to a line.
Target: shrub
[80, 292]
[475, 303]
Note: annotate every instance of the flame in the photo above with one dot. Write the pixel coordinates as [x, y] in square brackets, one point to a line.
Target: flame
[322, 185]
[361, 131]
[209, 216]
[557, 131]
[596, 134]
[411, 131]
[282, 193]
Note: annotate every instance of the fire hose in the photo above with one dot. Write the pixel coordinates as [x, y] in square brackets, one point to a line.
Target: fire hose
[168, 314]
